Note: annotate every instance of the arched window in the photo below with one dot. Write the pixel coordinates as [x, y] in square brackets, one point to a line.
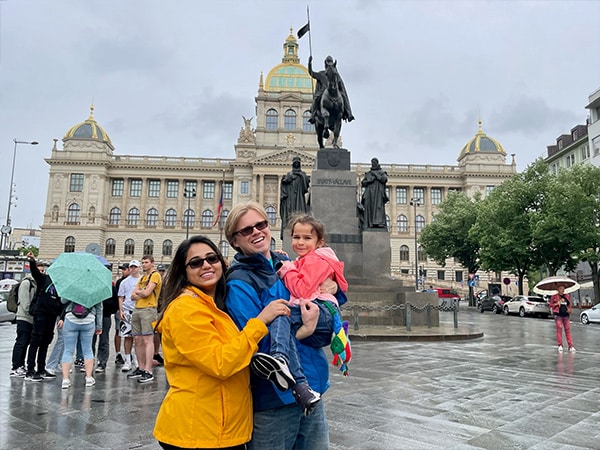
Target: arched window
[224, 247]
[207, 218]
[289, 122]
[272, 246]
[148, 247]
[306, 125]
[271, 119]
[271, 214]
[152, 217]
[73, 213]
[404, 253]
[402, 223]
[189, 217]
[109, 247]
[70, 244]
[114, 216]
[133, 216]
[420, 223]
[167, 247]
[129, 247]
[170, 217]
[421, 256]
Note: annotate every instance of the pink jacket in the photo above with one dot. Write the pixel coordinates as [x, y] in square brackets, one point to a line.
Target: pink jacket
[303, 276]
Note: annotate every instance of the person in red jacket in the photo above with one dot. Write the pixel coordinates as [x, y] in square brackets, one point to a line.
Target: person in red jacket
[561, 306]
[302, 278]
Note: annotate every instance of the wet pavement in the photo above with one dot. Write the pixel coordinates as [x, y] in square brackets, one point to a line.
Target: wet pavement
[509, 389]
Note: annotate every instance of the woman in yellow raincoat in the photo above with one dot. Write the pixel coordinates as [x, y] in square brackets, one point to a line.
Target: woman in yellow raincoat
[208, 404]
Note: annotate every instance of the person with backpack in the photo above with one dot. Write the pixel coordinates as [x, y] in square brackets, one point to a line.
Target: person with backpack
[45, 307]
[25, 293]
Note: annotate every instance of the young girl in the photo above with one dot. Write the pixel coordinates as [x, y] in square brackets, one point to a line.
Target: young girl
[302, 278]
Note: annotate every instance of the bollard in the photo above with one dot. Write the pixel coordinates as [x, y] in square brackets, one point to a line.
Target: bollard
[455, 314]
[355, 309]
[408, 315]
[428, 306]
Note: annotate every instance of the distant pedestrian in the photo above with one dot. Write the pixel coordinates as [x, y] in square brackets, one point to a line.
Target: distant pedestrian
[126, 306]
[561, 306]
[117, 339]
[27, 290]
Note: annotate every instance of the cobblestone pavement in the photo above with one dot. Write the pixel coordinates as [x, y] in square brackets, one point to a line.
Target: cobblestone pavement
[507, 390]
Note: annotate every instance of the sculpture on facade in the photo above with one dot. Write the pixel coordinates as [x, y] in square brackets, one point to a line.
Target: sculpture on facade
[374, 197]
[330, 102]
[294, 188]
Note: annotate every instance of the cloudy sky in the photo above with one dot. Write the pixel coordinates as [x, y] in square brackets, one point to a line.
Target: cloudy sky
[175, 77]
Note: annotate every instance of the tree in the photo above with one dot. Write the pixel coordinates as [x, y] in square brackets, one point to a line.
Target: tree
[448, 235]
[581, 209]
[504, 222]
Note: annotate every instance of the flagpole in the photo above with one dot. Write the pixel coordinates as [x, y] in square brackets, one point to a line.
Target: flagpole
[309, 36]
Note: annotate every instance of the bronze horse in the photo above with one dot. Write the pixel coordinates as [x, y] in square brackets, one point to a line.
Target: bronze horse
[329, 115]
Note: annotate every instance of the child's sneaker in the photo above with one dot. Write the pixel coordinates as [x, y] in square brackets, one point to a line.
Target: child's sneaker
[273, 369]
[306, 397]
[560, 349]
[572, 349]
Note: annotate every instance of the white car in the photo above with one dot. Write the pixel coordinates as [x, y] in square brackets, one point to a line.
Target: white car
[527, 305]
[5, 315]
[590, 315]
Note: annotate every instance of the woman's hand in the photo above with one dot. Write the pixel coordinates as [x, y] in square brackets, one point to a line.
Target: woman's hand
[98, 332]
[310, 316]
[329, 287]
[60, 323]
[274, 309]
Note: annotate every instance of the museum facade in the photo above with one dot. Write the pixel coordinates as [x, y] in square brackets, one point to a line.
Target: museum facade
[124, 206]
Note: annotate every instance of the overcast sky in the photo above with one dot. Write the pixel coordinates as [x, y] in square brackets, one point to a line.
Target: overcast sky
[175, 77]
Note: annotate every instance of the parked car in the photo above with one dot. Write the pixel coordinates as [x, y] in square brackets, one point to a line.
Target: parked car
[5, 315]
[527, 305]
[495, 303]
[590, 315]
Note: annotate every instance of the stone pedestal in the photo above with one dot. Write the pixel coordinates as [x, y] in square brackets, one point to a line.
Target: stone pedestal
[333, 202]
[377, 253]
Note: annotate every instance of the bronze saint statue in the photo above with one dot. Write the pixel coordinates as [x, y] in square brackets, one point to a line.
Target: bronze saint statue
[374, 197]
[294, 187]
[330, 103]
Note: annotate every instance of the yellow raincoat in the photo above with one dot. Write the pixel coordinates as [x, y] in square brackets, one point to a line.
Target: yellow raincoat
[208, 404]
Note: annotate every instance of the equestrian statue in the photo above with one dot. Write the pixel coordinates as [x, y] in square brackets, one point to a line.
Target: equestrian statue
[330, 102]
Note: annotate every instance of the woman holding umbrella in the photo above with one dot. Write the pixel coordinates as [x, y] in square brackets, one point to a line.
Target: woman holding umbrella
[561, 306]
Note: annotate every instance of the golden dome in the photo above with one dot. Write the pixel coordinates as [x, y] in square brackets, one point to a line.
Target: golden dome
[89, 129]
[290, 75]
[481, 143]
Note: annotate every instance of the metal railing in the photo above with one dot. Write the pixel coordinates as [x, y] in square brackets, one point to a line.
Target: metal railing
[409, 308]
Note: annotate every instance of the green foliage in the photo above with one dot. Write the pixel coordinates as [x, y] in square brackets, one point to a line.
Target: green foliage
[448, 235]
[33, 249]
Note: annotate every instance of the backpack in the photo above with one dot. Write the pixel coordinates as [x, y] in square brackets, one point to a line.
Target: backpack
[12, 301]
[80, 311]
[46, 301]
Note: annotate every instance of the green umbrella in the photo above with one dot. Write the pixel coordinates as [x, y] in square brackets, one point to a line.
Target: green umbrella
[81, 278]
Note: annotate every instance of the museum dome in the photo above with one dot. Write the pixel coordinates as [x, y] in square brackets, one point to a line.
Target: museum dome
[290, 75]
[481, 143]
[89, 129]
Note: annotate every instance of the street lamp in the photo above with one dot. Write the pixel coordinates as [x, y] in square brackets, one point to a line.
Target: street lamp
[6, 229]
[189, 193]
[414, 203]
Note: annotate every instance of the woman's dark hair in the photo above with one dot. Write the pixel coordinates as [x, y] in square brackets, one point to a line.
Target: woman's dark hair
[176, 276]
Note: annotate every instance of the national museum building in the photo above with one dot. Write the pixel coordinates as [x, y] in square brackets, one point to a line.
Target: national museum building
[125, 206]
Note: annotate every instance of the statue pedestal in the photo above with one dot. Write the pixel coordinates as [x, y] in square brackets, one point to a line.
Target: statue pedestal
[376, 253]
[333, 202]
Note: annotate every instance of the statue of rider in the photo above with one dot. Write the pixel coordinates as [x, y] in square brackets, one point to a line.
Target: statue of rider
[322, 85]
